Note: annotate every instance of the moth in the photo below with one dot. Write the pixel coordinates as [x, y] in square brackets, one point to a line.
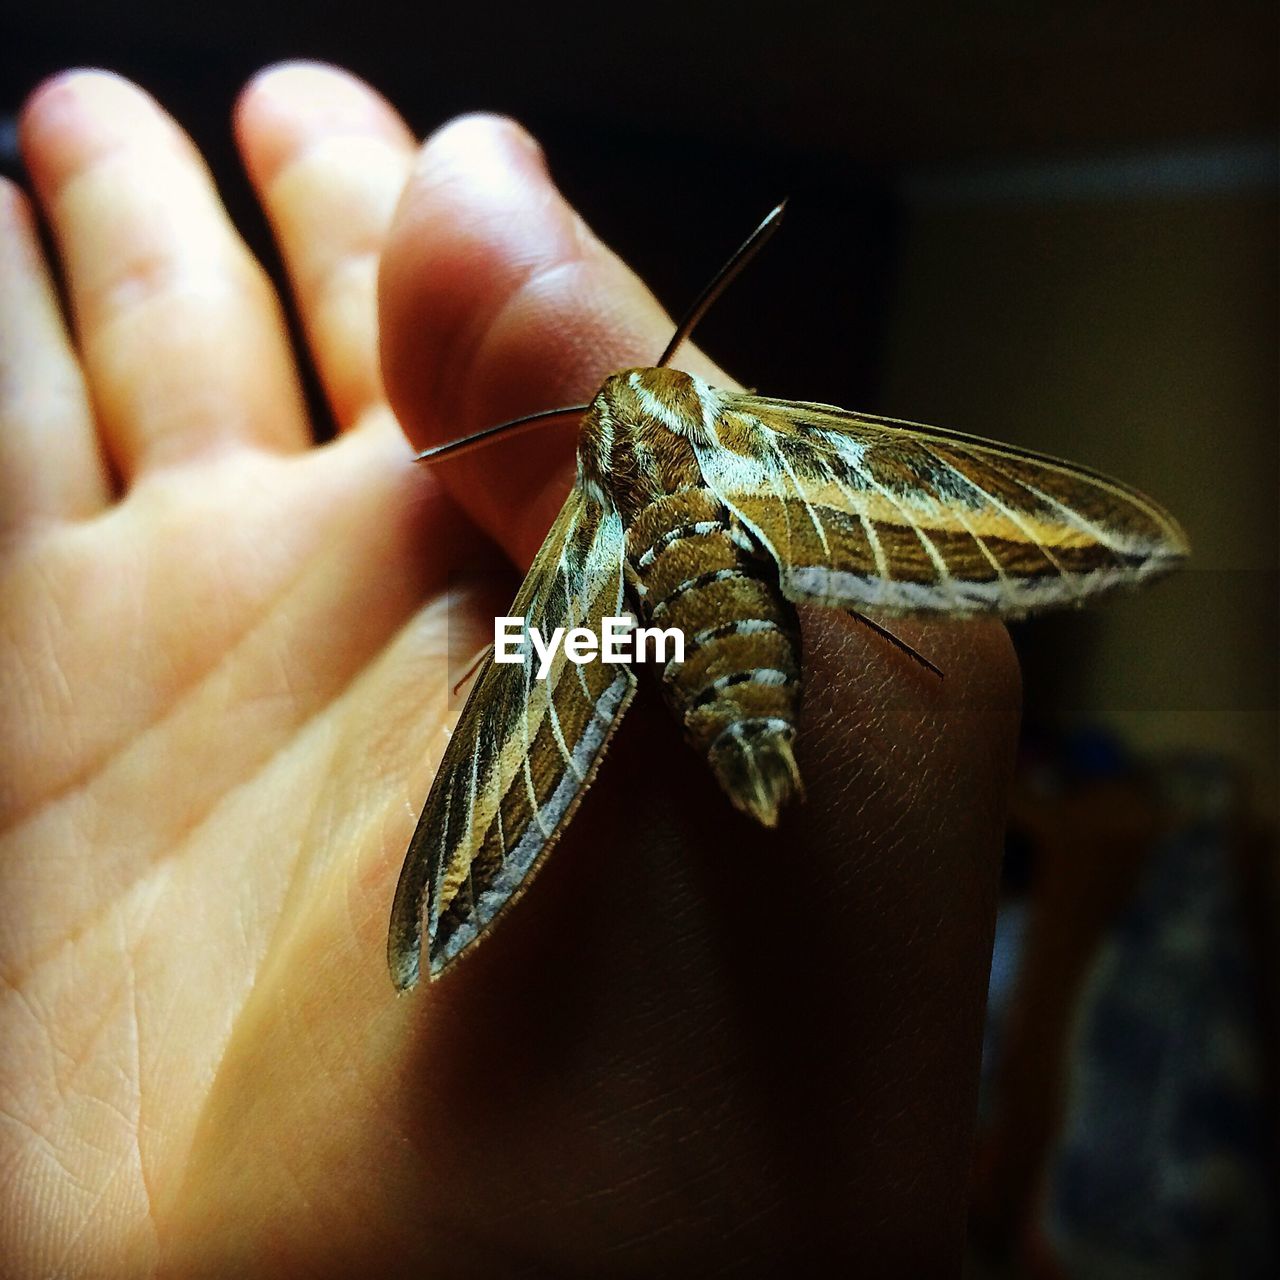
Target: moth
[718, 512]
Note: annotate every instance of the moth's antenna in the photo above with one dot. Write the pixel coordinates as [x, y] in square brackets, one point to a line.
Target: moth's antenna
[724, 278]
[514, 427]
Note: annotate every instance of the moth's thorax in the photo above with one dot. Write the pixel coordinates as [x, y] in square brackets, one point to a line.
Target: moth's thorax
[638, 435]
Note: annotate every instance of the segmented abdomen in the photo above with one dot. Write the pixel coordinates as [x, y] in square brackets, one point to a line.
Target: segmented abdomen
[737, 692]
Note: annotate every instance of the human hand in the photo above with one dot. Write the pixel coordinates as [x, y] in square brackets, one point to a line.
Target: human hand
[226, 686]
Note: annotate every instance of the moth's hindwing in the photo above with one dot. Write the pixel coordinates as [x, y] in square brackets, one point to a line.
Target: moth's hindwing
[863, 512]
[522, 755]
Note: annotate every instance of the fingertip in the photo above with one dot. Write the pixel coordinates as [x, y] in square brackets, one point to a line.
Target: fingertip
[49, 111]
[79, 115]
[288, 104]
[483, 143]
[479, 209]
[478, 217]
[53, 92]
[60, 98]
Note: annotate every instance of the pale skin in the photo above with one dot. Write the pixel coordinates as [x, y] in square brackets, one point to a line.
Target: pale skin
[225, 688]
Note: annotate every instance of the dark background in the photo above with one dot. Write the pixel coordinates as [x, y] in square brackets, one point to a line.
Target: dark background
[1055, 225]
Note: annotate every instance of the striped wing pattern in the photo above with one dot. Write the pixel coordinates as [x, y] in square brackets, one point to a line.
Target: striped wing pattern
[867, 512]
[521, 756]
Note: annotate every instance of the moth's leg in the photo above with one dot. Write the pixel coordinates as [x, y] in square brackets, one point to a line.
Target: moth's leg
[636, 590]
[745, 541]
[896, 641]
[473, 666]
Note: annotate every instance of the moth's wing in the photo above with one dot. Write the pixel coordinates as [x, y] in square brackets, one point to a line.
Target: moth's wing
[521, 756]
[866, 512]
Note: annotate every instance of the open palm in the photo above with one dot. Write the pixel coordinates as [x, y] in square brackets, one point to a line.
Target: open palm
[227, 659]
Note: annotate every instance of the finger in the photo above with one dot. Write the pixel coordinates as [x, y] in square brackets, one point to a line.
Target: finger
[50, 467]
[329, 159]
[180, 331]
[496, 300]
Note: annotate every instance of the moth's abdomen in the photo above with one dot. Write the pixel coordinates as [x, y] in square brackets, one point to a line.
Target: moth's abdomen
[737, 692]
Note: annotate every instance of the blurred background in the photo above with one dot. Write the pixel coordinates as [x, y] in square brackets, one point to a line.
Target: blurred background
[1054, 225]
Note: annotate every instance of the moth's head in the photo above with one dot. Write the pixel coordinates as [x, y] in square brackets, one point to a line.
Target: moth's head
[679, 401]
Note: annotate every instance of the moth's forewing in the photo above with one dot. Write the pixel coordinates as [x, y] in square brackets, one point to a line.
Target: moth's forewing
[521, 756]
[864, 512]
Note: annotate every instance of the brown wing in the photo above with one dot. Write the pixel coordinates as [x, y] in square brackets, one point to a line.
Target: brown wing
[521, 757]
[864, 512]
